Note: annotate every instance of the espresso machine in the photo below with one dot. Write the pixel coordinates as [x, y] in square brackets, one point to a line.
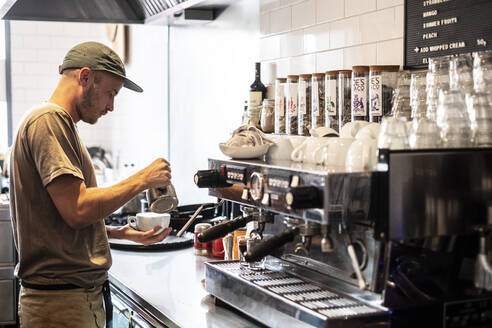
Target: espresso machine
[400, 246]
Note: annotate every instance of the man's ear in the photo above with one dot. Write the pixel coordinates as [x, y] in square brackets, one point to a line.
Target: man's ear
[85, 76]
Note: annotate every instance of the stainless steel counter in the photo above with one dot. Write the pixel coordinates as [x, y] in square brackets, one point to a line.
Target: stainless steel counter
[169, 285]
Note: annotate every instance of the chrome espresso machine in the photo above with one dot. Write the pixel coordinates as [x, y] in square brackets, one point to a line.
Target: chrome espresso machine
[402, 246]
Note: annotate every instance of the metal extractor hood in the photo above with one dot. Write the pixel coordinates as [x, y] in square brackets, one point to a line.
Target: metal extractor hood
[112, 11]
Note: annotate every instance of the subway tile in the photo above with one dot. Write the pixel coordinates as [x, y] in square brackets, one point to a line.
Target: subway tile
[265, 24]
[24, 81]
[329, 60]
[317, 38]
[16, 41]
[344, 33]
[390, 52]
[291, 44]
[48, 55]
[357, 7]
[378, 26]
[39, 68]
[360, 55]
[267, 5]
[400, 20]
[304, 14]
[289, 2]
[303, 64]
[18, 95]
[36, 41]
[18, 68]
[23, 55]
[270, 47]
[328, 10]
[280, 20]
[389, 3]
[23, 27]
[283, 67]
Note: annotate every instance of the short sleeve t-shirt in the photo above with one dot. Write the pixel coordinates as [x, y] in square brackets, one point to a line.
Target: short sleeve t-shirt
[47, 145]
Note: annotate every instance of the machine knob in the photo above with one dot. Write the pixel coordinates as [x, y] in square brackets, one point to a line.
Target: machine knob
[210, 179]
[304, 197]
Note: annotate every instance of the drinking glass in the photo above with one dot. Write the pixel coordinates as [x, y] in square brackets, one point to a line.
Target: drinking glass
[461, 73]
[480, 106]
[453, 120]
[424, 133]
[482, 70]
[401, 99]
[393, 133]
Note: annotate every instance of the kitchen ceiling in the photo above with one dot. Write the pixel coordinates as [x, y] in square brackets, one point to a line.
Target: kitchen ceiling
[113, 11]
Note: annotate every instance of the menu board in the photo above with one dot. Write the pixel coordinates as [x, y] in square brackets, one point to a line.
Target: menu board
[436, 28]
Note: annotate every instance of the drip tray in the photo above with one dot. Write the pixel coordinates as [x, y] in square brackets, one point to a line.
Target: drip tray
[279, 298]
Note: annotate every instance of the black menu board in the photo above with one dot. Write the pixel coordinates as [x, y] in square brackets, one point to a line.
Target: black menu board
[444, 27]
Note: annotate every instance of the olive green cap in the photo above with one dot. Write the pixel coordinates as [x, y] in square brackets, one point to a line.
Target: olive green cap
[97, 57]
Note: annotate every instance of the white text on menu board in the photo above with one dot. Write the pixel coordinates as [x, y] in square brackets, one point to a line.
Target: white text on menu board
[433, 2]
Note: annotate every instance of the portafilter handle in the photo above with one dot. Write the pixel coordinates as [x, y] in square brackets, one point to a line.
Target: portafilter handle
[222, 229]
[267, 246]
[193, 217]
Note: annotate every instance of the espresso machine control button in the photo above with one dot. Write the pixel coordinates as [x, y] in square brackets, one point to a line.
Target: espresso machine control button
[295, 181]
[304, 197]
[245, 194]
[257, 186]
[210, 179]
[266, 199]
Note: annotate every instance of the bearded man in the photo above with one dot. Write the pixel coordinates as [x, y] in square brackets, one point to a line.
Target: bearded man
[56, 207]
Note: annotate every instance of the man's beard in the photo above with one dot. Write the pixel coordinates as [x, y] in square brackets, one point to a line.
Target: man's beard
[86, 106]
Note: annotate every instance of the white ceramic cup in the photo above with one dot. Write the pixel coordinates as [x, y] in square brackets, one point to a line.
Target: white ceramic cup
[297, 140]
[362, 155]
[305, 151]
[281, 149]
[323, 131]
[148, 220]
[370, 131]
[332, 152]
[350, 129]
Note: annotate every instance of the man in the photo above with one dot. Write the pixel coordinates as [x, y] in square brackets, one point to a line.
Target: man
[58, 210]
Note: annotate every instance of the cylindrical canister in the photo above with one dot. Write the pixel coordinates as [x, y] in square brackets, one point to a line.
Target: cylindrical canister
[202, 249]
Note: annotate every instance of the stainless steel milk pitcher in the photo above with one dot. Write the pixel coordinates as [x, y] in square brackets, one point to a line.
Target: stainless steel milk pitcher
[162, 200]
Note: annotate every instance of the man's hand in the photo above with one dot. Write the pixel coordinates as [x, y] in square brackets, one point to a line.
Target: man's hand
[157, 174]
[143, 237]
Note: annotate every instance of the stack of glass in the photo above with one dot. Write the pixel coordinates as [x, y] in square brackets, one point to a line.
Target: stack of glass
[401, 97]
[424, 132]
[480, 101]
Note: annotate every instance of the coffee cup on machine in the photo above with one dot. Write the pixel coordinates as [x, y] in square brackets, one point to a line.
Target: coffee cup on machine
[149, 220]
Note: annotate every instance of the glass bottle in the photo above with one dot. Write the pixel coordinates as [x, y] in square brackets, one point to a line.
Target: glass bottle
[344, 96]
[291, 118]
[280, 105]
[267, 116]
[360, 93]
[332, 119]
[257, 91]
[304, 99]
[317, 100]
[382, 82]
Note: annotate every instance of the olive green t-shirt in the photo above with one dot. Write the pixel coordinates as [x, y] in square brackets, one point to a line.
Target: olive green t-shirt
[47, 146]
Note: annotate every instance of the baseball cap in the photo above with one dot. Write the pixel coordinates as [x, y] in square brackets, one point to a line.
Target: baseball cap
[98, 57]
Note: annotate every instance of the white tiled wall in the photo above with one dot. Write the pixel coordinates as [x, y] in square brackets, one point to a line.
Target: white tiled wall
[307, 36]
[138, 119]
